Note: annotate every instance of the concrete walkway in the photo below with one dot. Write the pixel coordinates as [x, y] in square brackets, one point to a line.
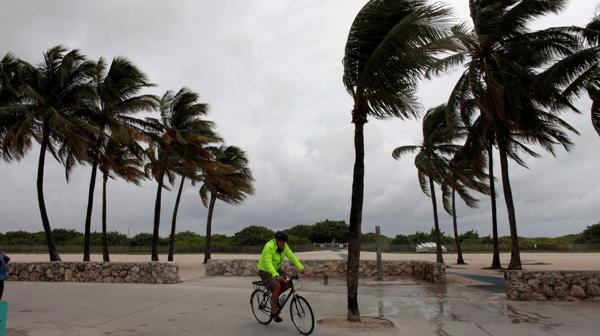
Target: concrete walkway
[220, 306]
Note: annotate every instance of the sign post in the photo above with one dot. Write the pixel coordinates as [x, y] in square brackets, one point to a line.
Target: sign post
[378, 247]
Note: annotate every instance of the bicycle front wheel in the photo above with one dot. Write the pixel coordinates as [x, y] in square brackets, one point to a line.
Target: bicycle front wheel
[302, 315]
[261, 306]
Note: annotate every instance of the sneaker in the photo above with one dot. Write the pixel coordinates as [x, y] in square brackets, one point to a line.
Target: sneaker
[277, 318]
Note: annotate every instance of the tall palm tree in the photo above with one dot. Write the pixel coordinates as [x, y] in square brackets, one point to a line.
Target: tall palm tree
[514, 82]
[432, 160]
[390, 44]
[180, 131]
[51, 94]
[117, 101]
[125, 161]
[229, 179]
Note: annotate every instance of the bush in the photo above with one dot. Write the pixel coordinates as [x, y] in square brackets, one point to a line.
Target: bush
[253, 235]
[371, 238]
[301, 231]
[402, 240]
[329, 231]
[591, 235]
[65, 237]
[141, 239]
[296, 241]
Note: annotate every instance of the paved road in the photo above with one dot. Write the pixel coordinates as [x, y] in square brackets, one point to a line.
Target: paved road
[219, 306]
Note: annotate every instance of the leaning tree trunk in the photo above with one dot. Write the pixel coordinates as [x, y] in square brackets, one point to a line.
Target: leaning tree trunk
[105, 255]
[359, 118]
[459, 258]
[515, 256]
[174, 221]
[53, 253]
[496, 254]
[438, 238]
[155, 236]
[211, 207]
[88, 214]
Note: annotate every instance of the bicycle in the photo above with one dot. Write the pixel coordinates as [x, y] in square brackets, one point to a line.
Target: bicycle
[300, 311]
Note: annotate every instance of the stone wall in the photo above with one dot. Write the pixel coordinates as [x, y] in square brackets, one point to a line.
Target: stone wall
[57, 271]
[425, 270]
[553, 285]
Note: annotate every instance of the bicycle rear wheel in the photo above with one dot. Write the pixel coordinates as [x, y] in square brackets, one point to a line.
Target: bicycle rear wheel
[302, 315]
[261, 306]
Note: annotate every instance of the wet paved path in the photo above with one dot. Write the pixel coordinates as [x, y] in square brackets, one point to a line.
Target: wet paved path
[219, 306]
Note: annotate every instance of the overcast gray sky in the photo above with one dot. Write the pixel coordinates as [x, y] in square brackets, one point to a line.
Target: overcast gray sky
[271, 71]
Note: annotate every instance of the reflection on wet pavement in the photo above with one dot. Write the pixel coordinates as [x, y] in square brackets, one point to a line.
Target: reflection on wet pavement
[447, 309]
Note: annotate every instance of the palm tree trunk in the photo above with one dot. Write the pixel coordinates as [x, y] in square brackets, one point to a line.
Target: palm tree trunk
[174, 221]
[515, 256]
[438, 238]
[105, 255]
[53, 253]
[155, 236]
[359, 118]
[496, 254]
[88, 214]
[211, 207]
[459, 258]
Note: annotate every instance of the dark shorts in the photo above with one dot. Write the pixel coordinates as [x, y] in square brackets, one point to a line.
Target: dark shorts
[268, 279]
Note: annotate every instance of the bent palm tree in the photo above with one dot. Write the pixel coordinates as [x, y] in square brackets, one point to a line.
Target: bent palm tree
[229, 179]
[464, 172]
[50, 96]
[180, 130]
[117, 100]
[124, 161]
[515, 82]
[389, 46]
[432, 160]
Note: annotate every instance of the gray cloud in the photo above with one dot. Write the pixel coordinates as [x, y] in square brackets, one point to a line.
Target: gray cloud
[271, 72]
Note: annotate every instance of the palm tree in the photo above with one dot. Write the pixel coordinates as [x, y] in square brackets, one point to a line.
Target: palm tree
[432, 160]
[464, 172]
[506, 81]
[117, 100]
[51, 94]
[10, 82]
[125, 161]
[179, 131]
[390, 44]
[228, 179]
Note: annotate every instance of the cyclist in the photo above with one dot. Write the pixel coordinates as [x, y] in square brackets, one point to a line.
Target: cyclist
[269, 268]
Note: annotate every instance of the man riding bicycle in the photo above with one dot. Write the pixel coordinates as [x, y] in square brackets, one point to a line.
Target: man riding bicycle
[269, 268]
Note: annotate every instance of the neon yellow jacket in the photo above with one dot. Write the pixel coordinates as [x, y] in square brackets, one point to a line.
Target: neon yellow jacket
[270, 260]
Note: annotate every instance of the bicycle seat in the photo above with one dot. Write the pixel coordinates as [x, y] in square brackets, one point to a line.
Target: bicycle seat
[258, 283]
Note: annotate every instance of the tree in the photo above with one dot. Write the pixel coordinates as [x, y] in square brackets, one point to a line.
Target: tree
[125, 161]
[228, 179]
[389, 45]
[591, 235]
[464, 172]
[191, 135]
[51, 94]
[515, 82]
[117, 100]
[432, 160]
[11, 73]
[179, 132]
